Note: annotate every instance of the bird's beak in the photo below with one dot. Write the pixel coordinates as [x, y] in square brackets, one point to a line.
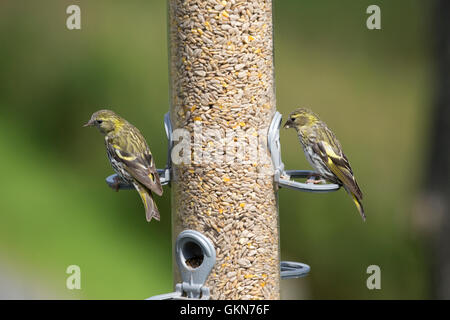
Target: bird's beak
[89, 123]
[287, 125]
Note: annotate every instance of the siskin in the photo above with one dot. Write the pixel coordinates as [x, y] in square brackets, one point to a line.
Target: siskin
[130, 157]
[324, 152]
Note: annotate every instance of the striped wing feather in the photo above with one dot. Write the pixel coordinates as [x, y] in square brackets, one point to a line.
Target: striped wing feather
[133, 151]
[142, 168]
[332, 155]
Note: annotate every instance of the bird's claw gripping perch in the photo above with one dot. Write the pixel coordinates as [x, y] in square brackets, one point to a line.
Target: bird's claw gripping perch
[116, 183]
[121, 185]
[313, 180]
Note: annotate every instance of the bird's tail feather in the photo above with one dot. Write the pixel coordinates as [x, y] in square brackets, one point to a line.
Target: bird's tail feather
[359, 205]
[151, 210]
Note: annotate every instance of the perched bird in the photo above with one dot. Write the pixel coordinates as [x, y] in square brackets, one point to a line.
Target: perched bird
[130, 157]
[324, 152]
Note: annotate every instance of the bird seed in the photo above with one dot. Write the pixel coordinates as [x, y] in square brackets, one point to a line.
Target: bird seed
[222, 79]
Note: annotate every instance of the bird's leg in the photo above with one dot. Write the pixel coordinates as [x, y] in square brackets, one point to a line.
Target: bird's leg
[116, 185]
[315, 178]
[318, 181]
[311, 178]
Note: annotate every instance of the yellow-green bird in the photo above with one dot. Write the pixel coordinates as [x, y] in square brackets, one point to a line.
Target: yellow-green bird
[324, 152]
[130, 157]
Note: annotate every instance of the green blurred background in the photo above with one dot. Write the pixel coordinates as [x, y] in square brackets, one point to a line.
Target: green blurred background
[371, 87]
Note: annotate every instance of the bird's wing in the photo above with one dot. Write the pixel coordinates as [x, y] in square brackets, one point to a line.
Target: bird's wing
[133, 151]
[338, 163]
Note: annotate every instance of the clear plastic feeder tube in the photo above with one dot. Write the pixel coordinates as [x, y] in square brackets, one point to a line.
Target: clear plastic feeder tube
[222, 96]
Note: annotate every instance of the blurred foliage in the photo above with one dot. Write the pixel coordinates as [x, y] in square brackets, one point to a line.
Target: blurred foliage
[371, 87]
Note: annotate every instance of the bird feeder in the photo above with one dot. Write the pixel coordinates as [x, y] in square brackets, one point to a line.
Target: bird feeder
[222, 97]
[224, 160]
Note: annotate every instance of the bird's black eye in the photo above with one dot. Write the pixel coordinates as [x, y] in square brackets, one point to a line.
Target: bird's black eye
[99, 121]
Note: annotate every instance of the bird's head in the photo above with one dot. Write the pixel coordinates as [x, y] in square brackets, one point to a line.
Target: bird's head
[301, 118]
[106, 121]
